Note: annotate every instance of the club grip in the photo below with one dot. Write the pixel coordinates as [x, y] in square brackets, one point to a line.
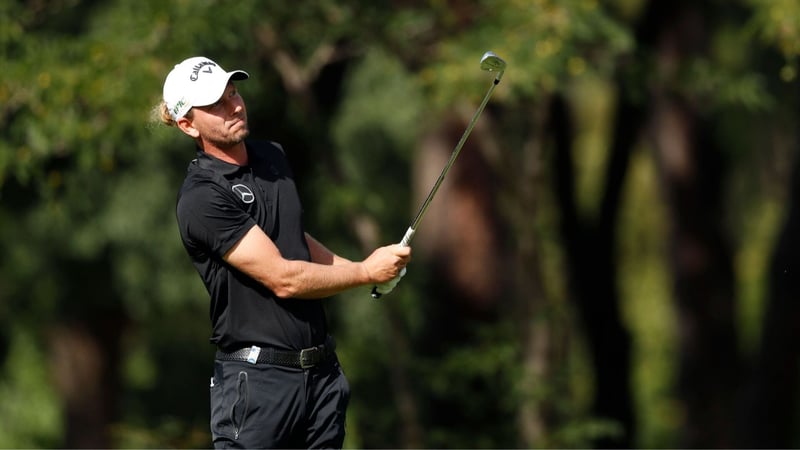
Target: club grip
[403, 243]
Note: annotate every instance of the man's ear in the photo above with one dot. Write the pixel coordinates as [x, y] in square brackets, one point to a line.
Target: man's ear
[187, 126]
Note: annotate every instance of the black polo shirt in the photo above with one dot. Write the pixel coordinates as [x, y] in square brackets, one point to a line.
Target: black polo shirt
[217, 204]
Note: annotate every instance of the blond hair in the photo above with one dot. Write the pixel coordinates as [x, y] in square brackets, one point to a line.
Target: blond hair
[160, 114]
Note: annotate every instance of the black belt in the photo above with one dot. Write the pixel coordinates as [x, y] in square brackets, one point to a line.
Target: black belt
[303, 359]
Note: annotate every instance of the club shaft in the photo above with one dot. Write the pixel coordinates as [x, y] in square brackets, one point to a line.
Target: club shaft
[424, 208]
[421, 213]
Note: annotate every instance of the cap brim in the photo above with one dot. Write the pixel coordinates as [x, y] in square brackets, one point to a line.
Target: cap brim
[212, 96]
[239, 75]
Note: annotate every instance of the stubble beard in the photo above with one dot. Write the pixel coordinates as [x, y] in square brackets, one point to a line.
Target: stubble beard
[228, 140]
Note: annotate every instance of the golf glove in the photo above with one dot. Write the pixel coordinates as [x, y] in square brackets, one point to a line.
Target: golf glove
[385, 288]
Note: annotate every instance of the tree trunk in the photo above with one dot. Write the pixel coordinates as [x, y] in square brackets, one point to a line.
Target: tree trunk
[85, 370]
[590, 246]
[770, 413]
[691, 169]
[542, 340]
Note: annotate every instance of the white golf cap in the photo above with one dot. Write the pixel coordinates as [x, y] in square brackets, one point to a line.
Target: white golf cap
[196, 81]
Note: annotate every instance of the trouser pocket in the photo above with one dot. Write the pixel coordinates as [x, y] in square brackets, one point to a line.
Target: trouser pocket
[230, 405]
[238, 413]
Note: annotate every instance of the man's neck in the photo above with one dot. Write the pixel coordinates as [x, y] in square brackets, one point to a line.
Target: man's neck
[234, 155]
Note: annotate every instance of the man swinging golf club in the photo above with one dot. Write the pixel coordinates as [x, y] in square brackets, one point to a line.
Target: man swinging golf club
[277, 382]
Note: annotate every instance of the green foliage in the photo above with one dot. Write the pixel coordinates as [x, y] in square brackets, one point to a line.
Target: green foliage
[88, 184]
[374, 133]
[777, 24]
[30, 408]
[545, 43]
[647, 310]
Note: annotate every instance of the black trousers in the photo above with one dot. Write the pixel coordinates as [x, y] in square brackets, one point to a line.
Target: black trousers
[271, 406]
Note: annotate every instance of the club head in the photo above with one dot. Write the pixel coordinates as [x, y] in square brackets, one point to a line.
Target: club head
[493, 63]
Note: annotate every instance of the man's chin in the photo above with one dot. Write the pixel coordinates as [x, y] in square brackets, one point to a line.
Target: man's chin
[240, 136]
[232, 140]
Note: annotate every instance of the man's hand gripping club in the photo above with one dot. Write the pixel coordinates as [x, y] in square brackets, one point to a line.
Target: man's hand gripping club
[386, 265]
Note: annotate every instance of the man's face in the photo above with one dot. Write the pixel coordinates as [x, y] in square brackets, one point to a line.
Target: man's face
[224, 123]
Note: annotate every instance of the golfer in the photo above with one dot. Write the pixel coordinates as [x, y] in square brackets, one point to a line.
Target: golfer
[277, 381]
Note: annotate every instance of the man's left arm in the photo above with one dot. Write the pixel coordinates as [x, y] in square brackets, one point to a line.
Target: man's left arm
[321, 254]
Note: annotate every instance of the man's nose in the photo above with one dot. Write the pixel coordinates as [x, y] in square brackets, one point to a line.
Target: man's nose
[237, 107]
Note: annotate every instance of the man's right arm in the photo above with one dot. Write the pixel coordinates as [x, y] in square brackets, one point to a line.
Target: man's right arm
[257, 256]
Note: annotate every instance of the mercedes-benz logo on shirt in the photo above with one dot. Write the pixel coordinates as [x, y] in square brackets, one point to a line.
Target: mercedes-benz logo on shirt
[244, 192]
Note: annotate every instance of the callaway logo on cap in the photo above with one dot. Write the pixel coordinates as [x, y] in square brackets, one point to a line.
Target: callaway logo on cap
[196, 81]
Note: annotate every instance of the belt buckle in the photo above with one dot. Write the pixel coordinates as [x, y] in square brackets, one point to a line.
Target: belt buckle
[307, 359]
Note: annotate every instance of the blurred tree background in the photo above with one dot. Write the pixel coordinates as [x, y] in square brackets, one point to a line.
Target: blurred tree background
[612, 262]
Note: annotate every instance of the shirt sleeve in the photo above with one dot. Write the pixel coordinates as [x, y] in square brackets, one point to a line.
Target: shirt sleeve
[210, 220]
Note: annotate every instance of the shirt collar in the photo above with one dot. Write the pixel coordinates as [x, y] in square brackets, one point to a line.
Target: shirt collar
[206, 161]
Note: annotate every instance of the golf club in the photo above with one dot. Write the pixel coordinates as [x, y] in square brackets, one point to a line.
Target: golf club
[489, 62]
